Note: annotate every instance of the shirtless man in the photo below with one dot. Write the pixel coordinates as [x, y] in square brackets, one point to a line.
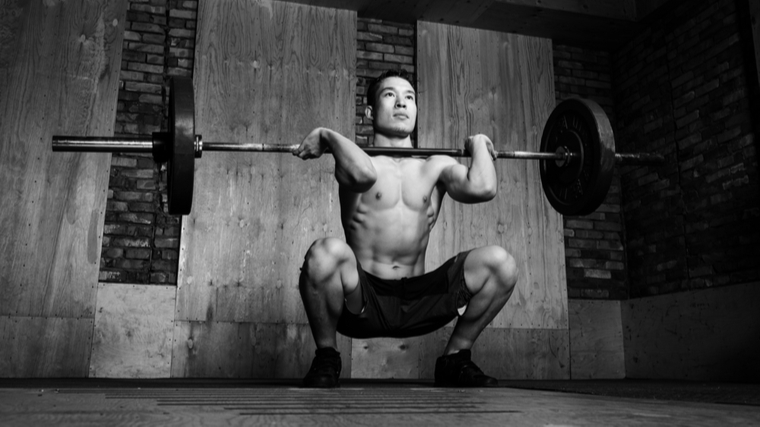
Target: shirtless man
[374, 284]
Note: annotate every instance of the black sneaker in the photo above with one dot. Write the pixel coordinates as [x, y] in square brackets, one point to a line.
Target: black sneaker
[457, 370]
[325, 369]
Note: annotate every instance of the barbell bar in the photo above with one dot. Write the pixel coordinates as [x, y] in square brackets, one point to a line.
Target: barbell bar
[107, 144]
[577, 156]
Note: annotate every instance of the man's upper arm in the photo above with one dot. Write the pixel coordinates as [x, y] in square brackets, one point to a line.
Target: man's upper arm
[356, 173]
[454, 178]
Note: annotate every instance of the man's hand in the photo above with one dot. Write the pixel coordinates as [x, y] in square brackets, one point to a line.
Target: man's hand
[476, 142]
[313, 146]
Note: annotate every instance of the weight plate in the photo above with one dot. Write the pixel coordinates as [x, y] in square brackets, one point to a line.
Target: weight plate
[579, 185]
[181, 165]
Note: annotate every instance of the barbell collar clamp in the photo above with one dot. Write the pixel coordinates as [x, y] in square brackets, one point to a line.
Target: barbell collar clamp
[198, 145]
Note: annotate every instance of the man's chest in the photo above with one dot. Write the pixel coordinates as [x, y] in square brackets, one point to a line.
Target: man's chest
[406, 183]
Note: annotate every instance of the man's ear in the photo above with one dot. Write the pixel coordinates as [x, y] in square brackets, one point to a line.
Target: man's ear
[368, 112]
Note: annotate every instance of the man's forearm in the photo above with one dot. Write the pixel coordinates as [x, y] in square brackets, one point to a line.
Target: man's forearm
[482, 174]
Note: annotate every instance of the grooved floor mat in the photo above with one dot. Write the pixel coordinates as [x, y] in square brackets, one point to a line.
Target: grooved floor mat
[238, 402]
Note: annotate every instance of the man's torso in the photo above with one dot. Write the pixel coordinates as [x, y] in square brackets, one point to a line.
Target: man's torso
[389, 225]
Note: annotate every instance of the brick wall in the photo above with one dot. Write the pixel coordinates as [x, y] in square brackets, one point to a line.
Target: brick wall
[681, 89]
[594, 251]
[140, 241]
[380, 46]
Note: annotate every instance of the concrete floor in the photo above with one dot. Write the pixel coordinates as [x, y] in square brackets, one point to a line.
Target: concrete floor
[356, 403]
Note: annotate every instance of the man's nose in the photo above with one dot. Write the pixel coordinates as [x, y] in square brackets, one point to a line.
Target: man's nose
[401, 102]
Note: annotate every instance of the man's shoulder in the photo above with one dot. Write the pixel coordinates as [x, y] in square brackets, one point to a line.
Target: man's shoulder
[439, 160]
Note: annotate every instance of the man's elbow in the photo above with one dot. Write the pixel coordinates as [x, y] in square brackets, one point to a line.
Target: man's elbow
[366, 177]
[488, 192]
[484, 192]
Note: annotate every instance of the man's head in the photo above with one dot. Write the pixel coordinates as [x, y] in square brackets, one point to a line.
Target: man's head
[392, 104]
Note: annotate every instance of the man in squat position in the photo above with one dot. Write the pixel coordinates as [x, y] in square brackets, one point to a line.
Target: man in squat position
[374, 283]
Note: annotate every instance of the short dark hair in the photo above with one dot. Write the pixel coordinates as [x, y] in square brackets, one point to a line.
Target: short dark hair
[374, 86]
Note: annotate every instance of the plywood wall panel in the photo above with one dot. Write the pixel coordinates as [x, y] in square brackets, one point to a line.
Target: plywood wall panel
[44, 347]
[134, 327]
[59, 67]
[265, 72]
[505, 353]
[474, 81]
[212, 350]
[596, 340]
[286, 351]
[246, 350]
[385, 358]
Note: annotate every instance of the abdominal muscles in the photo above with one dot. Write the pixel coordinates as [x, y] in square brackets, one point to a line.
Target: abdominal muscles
[390, 242]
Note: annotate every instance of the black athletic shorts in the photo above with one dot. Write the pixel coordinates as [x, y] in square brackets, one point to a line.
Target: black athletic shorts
[410, 306]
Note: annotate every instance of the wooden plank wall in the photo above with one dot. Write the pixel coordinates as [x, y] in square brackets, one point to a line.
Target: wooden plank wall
[703, 335]
[265, 72]
[59, 67]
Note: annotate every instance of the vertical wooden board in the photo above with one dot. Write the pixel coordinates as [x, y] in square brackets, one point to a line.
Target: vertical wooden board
[543, 231]
[134, 325]
[212, 350]
[474, 81]
[704, 335]
[385, 358]
[596, 340]
[59, 68]
[265, 72]
[44, 347]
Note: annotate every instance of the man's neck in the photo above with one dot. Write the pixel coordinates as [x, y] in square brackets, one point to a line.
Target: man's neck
[392, 141]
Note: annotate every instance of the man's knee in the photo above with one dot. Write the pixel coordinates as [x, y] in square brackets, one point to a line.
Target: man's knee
[500, 266]
[324, 258]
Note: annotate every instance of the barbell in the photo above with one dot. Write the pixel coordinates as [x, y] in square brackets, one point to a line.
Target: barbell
[576, 160]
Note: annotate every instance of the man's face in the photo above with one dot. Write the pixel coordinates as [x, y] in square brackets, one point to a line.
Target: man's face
[395, 109]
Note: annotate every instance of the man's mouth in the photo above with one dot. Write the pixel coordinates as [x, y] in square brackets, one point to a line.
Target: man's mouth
[401, 115]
